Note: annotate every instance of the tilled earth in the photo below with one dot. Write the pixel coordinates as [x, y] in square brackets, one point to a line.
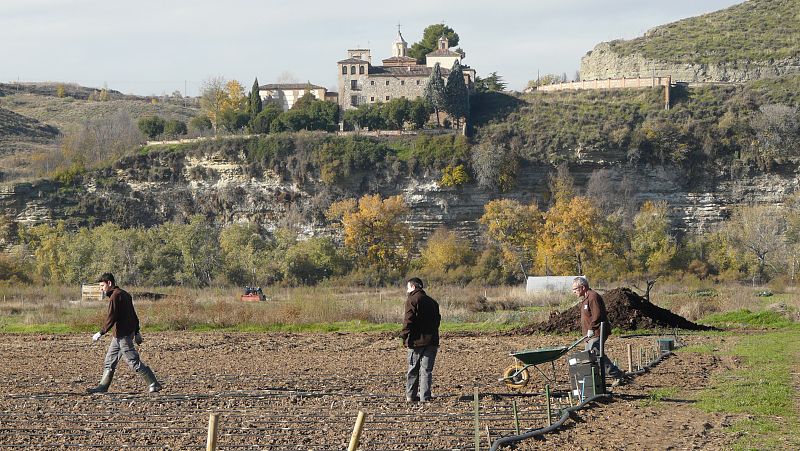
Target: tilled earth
[303, 392]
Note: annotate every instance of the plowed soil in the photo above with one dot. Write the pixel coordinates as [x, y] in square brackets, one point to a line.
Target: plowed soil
[626, 310]
[303, 392]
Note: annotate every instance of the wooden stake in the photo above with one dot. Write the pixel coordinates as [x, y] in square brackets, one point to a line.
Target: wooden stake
[477, 423]
[356, 432]
[549, 415]
[516, 416]
[211, 442]
[630, 358]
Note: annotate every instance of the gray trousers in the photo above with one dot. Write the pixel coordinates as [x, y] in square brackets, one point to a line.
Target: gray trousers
[123, 347]
[593, 345]
[419, 376]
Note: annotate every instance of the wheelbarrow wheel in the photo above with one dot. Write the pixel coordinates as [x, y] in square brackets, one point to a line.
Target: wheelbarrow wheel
[516, 376]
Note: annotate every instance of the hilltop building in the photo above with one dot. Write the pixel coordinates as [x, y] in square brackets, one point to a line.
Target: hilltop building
[400, 76]
[286, 94]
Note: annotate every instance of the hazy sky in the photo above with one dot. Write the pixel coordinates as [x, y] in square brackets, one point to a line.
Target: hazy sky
[156, 47]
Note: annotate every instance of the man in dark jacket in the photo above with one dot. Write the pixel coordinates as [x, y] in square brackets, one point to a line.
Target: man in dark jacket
[593, 312]
[122, 318]
[421, 336]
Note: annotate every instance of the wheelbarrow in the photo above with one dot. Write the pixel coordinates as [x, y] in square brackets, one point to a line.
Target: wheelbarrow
[517, 375]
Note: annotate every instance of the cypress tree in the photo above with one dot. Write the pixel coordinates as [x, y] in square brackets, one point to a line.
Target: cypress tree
[254, 105]
[456, 94]
[435, 91]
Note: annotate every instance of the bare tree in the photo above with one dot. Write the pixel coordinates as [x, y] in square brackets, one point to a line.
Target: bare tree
[757, 230]
[777, 129]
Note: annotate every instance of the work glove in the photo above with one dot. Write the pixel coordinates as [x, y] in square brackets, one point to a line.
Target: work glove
[138, 338]
[96, 337]
[590, 333]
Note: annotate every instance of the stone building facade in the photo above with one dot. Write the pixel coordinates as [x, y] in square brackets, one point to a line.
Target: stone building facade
[286, 94]
[400, 76]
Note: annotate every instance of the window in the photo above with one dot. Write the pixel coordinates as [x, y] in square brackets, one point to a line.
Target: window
[372, 99]
[344, 69]
[387, 97]
[387, 82]
[402, 82]
[354, 100]
[353, 85]
[417, 82]
[352, 70]
[372, 82]
[361, 70]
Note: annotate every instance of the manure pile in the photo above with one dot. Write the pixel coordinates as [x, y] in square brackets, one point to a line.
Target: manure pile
[626, 310]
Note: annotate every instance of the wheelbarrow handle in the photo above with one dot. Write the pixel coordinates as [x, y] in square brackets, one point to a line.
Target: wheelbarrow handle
[577, 342]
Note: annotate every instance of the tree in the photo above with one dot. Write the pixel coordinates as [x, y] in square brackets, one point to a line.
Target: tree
[758, 231]
[201, 123]
[376, 234]
[651, 244]
[243, 253]
[254, 104]
[513, 227]
[262, 121]
[430, 41]
[151, 126]
[777, 129]
[492, 83]
[573, 239]
[495, 166]
[174, 128]
[456, 94]
[435, 93]
[213, 98]
[198, 242]
[420, 112]
[396, 112]
[561, 184]
[444, 251]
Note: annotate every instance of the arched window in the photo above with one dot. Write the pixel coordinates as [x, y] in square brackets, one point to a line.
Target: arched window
[344, 69]
[361, 70]
[352, 70]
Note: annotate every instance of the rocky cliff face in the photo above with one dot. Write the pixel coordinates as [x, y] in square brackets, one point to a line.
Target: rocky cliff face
[152, 189]
[602, 63]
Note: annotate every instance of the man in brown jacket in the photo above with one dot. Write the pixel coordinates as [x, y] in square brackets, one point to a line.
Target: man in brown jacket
[593, 312]
[122, 318]
[421, 337]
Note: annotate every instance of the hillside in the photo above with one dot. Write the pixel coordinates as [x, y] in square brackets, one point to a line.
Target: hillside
[67, 112]
[16, 127]
[755, 39]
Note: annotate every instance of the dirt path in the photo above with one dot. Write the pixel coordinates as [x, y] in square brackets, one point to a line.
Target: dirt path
[303, 391]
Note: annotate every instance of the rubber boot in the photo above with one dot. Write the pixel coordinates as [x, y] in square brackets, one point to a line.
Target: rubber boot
[105, 382]
[152, 384]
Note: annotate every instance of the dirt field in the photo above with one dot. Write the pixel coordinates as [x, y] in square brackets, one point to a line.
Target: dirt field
[303, 392]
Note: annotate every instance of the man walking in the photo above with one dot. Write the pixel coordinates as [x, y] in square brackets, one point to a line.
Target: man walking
[421, 336]
[122, 317]
[593, 312]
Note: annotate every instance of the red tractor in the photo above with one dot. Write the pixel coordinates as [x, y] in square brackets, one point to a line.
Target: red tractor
[253, 294]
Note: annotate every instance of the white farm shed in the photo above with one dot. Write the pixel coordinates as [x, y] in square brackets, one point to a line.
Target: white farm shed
[541, 284]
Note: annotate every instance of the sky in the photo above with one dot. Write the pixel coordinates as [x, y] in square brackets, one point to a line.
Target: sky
[149, 47]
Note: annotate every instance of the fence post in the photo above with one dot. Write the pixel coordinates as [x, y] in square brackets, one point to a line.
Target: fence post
[549, 414]
[516, 416]
[477, 423]
[211, 442]
[356, 432]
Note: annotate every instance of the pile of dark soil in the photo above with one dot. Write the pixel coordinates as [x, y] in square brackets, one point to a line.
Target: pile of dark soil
[626, 310]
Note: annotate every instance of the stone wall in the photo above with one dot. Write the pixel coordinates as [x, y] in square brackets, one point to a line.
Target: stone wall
[602, 63]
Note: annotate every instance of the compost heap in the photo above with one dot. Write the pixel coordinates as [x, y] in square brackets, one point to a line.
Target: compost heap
[626, 310]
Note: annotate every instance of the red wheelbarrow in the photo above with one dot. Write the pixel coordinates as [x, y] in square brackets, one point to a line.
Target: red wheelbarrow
[517, 375]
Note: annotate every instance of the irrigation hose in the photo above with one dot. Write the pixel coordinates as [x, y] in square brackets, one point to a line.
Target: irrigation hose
[566, 412]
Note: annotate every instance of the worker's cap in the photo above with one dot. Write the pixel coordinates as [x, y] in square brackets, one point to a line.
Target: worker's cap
[107, 277]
